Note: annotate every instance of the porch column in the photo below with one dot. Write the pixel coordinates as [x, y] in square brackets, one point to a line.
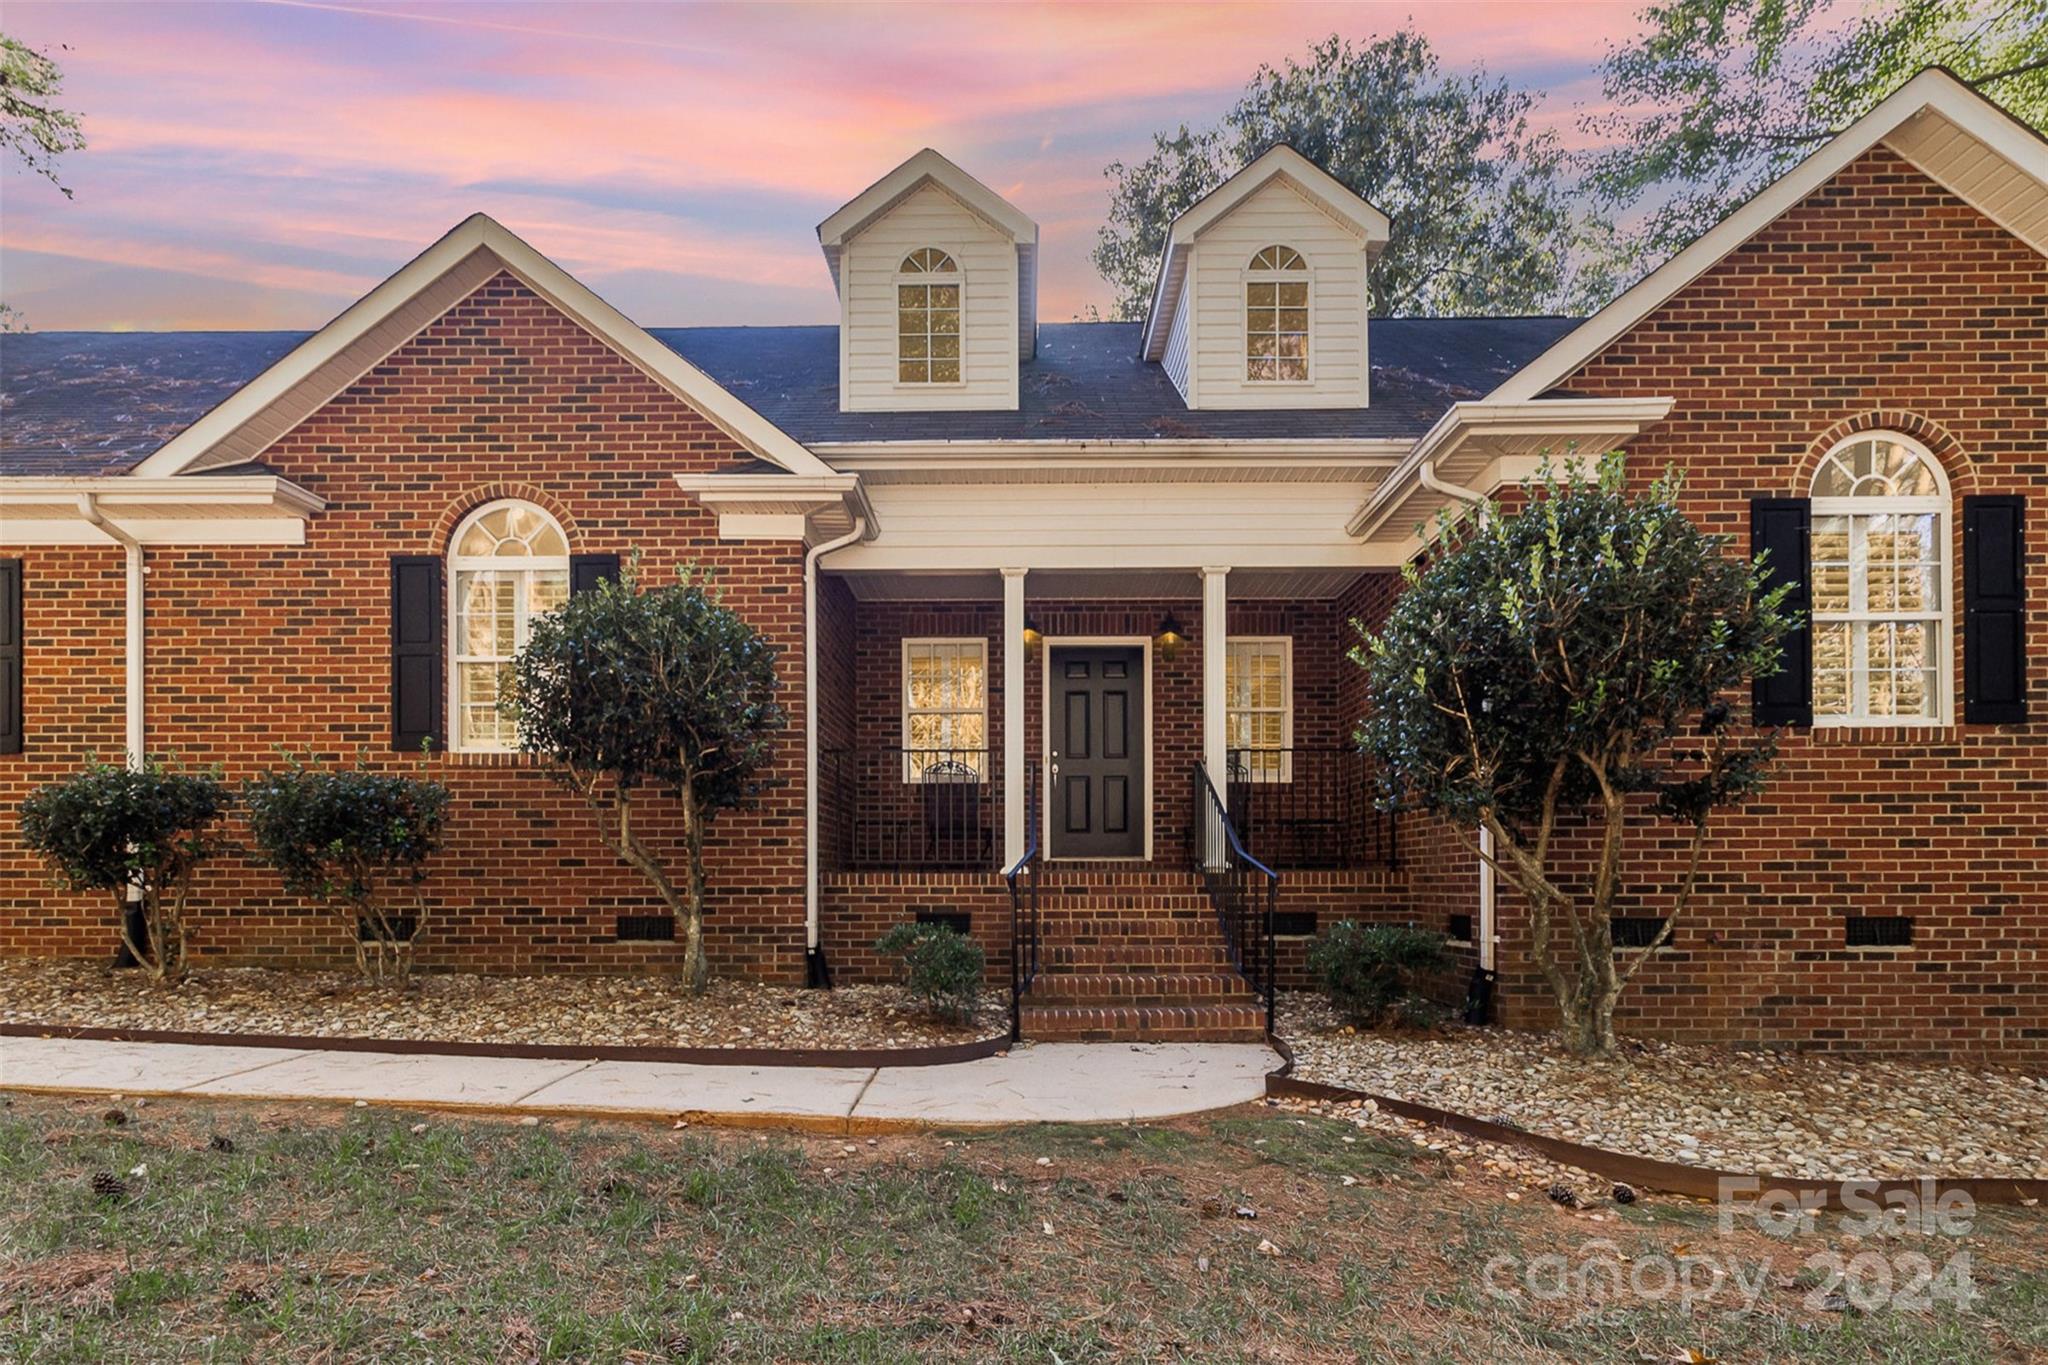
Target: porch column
[1016, 791]
[1215, 758]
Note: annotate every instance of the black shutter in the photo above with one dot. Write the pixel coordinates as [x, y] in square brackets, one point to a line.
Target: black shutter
[587, 571]
[418, 690]
[1781, 527]
[1994, 618]
[11, 728]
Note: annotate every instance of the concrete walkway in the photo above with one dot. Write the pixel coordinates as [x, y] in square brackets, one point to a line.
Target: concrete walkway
[1043, 1083]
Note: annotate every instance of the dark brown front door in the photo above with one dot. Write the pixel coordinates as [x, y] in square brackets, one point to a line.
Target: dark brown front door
[1098, 752]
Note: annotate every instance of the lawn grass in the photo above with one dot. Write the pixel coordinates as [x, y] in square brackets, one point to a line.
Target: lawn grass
[341, 1234]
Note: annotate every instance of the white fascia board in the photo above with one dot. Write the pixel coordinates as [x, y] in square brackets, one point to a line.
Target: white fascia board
[928, 165]
[1153, 458]
[228, 510]
[779, 494]
[538, 273]
[1933, 88]
[1560, 417]
[221, 492]
[1332, 194]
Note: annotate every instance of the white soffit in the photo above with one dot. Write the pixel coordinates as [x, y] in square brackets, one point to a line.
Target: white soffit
[1124, 585]
[820, 507]
[225, 509]
[1959, 138]
[248, 421]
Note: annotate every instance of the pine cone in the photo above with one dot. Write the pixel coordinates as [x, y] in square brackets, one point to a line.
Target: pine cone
[1624, 1194]
[114, 1118]
[221, 1143]
[1562, 1194]
[107, 1185]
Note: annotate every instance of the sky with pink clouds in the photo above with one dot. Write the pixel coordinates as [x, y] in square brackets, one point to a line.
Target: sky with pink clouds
[261, 165]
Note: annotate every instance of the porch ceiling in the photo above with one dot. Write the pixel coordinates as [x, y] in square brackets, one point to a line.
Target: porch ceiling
[1121, 585]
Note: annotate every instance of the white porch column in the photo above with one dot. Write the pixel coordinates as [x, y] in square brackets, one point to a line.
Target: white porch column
[1215, 637]
[1016, 791]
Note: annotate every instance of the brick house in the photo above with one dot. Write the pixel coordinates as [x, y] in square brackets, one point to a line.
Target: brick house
[1074, 592]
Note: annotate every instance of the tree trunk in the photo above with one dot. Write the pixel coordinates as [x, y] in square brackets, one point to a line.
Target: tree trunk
[696, 969]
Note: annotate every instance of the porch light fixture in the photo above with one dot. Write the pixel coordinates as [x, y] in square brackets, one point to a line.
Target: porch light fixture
[1032, 634]
[1171, 636]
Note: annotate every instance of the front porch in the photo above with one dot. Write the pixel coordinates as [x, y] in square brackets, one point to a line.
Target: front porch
[1065, 721]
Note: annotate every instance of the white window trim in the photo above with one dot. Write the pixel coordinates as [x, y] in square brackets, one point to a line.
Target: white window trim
[1286, 643]
[910, 773]
[902, 276]
[1248, 276]
[453, 570]
[1940, 643]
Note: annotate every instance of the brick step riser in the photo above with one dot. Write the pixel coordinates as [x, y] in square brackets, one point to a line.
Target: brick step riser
[1107, 959]
[1158, 989]
[1127, 1024]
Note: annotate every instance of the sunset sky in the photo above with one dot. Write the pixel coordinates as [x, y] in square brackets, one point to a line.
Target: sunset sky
[261, 165]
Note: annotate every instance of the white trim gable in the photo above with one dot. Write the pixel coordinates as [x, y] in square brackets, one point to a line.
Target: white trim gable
[2012, 189]
[326, 363]
[925, 167]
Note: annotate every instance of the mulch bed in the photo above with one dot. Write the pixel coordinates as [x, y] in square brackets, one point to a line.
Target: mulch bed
[601, 1011]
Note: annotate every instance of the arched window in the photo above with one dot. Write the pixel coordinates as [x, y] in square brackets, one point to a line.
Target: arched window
[1880, 583]
[1276, 317]
[928, 318]
[508, 562]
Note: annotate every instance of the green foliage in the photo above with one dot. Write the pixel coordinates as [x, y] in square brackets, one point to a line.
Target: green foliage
[109, 828]
[1573, 659]
[345, 838]
[1366, 970]
[32, 127]
[942, 967]
[621, 689]
[1485, 214]
[1716, 98]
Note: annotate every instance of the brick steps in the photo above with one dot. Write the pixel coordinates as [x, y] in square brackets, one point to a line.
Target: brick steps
[1212, 1023]
[1139, 988]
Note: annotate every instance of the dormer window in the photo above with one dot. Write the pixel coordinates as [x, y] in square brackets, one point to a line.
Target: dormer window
[928, 318]
[1276, 317]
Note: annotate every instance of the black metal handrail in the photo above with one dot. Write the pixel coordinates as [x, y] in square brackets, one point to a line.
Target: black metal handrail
[1308, 807]
[1024, 929]
[1243, 890]
[905, 808]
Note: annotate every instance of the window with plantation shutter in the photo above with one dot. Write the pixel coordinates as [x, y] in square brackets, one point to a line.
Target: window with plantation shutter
[1258, 690]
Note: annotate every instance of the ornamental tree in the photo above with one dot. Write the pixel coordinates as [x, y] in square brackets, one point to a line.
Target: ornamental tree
[115, 829]
[622, 691]
[356, 843]
[1571, 663]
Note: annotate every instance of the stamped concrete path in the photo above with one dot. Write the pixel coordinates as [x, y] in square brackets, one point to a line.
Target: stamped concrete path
[1043, 1083]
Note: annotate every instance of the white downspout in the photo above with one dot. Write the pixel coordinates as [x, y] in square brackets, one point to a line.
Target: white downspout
[1427, 476]
[811, 558]
[134, 740]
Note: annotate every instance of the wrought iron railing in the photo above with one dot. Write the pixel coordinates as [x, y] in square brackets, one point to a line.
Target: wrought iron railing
[913, 809]
[1310, 808]
[1022, 879]
[1244, 891]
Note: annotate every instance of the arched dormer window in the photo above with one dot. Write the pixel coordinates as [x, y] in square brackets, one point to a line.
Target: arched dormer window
[1276, 317]
[1880, 584]
[928, 318]
[508, 562]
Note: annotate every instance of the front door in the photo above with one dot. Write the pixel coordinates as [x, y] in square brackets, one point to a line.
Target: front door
[1098, 752]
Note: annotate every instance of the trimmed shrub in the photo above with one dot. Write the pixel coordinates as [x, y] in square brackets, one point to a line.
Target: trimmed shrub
[942, 967]
[111, 828]
[1369, 970]
[355, 843]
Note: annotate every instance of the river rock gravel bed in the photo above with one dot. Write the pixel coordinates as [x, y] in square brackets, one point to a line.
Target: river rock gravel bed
[646, 1011]
[1820, 1117]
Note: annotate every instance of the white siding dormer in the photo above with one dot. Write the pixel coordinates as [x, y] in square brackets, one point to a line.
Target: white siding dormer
[1264, 291]
[935, 275]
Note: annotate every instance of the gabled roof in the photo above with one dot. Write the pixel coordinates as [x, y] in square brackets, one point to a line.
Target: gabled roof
[1957, 137]
[1280, 162]
[249, 420]
[927, 167]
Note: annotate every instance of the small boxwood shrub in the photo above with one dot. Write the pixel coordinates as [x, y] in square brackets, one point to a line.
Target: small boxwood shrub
[355, 843]
[111, 828]
[942, 967]
[1369, 971]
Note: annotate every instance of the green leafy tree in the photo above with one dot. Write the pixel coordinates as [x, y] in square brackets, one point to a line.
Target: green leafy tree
[111, 829]
[31, 124]
[1717, 98]
[353, 842]
[1570, 664]
[621, 690]
[1486, 218]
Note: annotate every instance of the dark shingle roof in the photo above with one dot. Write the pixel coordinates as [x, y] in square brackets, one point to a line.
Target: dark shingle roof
[99, 402]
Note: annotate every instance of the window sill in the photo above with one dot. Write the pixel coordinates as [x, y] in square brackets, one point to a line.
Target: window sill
[1885, 732]
[488, 758]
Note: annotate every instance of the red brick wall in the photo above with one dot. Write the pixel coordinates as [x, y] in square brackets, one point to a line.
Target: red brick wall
[253, 650]
[1879, 301]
